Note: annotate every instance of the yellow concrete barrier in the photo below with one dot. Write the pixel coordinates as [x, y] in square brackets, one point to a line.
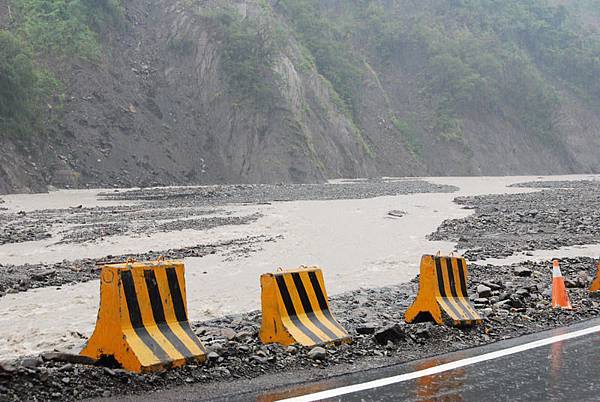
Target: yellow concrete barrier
[442, 293]
[142, 321]
[295, 309]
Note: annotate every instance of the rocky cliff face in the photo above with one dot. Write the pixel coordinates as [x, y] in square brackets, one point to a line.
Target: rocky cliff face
[157, 109]
[149, 115]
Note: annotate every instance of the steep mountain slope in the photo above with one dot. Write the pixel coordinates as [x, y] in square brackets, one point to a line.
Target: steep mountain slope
[476, 86]
[143, 92]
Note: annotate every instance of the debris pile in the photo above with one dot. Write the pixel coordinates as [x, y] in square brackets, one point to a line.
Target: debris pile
[512, 300]
[505, 224]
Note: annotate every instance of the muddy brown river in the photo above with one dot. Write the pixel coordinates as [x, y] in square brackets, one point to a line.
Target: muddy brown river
[356, 242]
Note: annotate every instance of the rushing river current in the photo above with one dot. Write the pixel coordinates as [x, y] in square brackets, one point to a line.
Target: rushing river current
[356, 242]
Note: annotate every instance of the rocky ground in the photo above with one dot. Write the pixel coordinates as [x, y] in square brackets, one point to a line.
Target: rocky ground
[172, 209]
[513, 300]
[80, 225]
[260, 193]
[163, 210]
[563, 214]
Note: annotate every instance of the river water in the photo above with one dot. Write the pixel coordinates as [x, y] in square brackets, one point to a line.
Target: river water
[356, 243]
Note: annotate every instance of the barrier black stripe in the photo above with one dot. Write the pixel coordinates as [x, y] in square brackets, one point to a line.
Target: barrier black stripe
[291, 311]
[158, 312]
[176, 295]
[460, 300]
[308, 309]
[179, 307]
[440, 276]
[462, 278]
[453, 290]
[322, 301]
[451, 277]
[135, 317]
[154, 294]
[185, 325]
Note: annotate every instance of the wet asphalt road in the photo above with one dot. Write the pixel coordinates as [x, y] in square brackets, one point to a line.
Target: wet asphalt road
[567, 370]
[564, 371]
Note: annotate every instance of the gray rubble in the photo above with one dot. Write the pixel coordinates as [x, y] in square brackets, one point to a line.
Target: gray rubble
[503, 224]
[513, 300]
[81, 225]
[257, 193]
[177, 208]
[517, 305]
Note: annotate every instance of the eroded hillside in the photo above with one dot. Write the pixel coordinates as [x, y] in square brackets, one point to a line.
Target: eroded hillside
[190, 92]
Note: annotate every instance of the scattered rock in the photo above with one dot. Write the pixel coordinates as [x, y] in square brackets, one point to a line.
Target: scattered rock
[523, 271]
[423, 333]
[484, 291]
[570, 283]
[394, 333]
[367, 328]
[228, 333]
[7, 366]
[397, 213]
[583, 279]
[522, 292]
[68, 358]
[31, 362]
[317, 353]
[243, 335]
[492, 285]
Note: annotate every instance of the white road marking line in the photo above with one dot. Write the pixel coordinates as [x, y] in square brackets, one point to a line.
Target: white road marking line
[382, 382]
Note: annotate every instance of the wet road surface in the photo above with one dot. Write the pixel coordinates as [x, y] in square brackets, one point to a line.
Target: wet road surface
[563, 370]
[558, 365]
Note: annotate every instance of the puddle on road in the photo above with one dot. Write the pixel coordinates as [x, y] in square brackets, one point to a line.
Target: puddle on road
[356, 242]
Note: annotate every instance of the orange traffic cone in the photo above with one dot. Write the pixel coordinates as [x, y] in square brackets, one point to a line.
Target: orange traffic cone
[596, 283]
[560, 297]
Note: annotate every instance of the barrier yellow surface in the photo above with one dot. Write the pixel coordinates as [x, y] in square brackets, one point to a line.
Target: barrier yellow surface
[142, 321]
[442, 293]
[295, 309]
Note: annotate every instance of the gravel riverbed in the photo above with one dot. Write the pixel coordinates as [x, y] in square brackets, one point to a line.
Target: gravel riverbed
[163, 210]
[563, 214]
[178, 208]
[513, 300]
[14, 279]
[260, 193]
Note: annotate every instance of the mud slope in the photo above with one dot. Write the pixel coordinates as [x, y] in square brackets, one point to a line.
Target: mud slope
[158, 109]
[150, 114]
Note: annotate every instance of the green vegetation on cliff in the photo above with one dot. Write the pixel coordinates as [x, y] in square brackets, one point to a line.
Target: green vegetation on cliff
[506, 58]
[251, 47]
[464, 60]
[335, 58]
[66, 27]
[23, 86]
[42, 29]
